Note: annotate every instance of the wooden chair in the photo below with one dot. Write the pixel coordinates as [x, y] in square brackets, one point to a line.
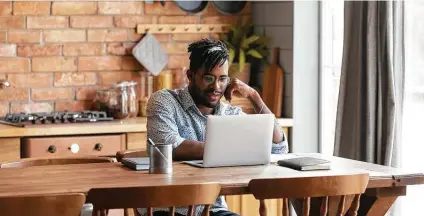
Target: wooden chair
[155, 197]
[28, 162]
[308, 187]
[131, 153]
[69, 204]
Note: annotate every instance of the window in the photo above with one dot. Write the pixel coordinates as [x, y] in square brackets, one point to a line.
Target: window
[331, 58]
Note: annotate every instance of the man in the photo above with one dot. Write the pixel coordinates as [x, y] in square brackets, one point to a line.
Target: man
[179, 116]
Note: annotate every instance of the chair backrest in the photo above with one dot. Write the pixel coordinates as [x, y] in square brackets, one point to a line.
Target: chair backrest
[131, 153]
[69, 204]
[168, 196]
[307, 187]
[27, 162]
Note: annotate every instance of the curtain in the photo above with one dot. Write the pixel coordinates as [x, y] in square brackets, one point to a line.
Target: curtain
[369, 111]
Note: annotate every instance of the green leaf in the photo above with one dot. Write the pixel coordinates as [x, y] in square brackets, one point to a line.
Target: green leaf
[254, 53]
[232, 55]
[228, 44]
[245, 44]
[242, 60]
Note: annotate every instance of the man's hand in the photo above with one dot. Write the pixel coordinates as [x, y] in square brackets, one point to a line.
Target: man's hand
[239, 89]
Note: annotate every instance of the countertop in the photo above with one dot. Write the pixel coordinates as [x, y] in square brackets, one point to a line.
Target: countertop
[137, 124]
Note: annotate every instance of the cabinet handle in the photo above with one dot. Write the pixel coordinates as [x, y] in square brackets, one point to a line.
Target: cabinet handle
[52, 149]
[74, 148]
[98, 147]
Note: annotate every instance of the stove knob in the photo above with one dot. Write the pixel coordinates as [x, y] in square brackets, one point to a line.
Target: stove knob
[52, 149]
[74, 148]
[98, 147]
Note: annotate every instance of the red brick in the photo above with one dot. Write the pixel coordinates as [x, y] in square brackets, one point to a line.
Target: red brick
[12, 22]
[50, 64]
[5, 8]
[121, 7]
[31, 107]
[7, 50]
[86, 93]
[91, 22]
[170, 8]
[189, 37]
[75, 79]
[72, 8]
[220, 20]
[4, 109]
[14, 65]
[99, 63]
[64, 36]
[175, 48]
[2, 37]
[103, 35]
[30, 80]
[29, 36]
[52, 94]
[132, 21]
[73, 105]
[130, 63]
[120, 48]
[39, 50]
[81, 49]
[108, 78]
[14, 94]
[178, 20]
[31, 8]
[178, 61]
[48, 22]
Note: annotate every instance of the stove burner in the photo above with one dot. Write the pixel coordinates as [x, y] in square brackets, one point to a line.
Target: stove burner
[57, 117]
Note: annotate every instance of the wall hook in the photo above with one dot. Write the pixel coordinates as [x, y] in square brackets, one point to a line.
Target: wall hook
[211, 28]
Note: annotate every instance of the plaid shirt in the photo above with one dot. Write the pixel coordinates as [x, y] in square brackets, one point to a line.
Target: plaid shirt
[173, 117]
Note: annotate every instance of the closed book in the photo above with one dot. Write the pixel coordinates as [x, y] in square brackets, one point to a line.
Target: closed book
[305, 163]
[139, 163]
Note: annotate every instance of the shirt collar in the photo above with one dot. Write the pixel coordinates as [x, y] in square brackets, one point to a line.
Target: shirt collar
[187, 101]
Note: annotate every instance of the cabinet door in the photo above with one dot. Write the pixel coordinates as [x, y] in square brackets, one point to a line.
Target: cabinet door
[10, 149]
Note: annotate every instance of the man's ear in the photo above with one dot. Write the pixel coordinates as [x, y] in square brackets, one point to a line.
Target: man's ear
[189, 75]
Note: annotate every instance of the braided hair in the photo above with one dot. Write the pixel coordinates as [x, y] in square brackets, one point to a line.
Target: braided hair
[207, 53]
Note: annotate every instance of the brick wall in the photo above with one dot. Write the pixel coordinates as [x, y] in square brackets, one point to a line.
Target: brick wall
[55, 54]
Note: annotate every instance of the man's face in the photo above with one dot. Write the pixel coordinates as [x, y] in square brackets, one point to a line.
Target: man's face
[208, 88]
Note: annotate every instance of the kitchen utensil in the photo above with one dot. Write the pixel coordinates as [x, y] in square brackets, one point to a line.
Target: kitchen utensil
[229, 7]
[160, 157]
[272, 90]
[11, 123]
[192, 6]
[150, 54]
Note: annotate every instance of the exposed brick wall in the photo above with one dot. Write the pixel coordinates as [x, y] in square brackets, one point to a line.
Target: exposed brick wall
[55, 54]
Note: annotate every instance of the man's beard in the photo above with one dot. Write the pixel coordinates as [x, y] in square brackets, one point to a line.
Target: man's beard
[200, 97]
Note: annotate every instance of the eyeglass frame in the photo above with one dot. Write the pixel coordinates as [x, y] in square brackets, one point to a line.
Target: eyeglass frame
[215, 78]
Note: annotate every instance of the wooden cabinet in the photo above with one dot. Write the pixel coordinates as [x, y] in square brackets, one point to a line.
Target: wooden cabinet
[99, 145]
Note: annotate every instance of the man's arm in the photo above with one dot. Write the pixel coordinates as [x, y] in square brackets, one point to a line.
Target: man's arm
[258, 104]
[189, 150]
[162, 128]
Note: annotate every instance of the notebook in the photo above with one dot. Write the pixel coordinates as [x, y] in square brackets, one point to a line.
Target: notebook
[305, 163]
[139, 163]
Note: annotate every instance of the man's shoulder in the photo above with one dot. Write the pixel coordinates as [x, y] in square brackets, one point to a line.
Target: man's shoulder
[164, 95]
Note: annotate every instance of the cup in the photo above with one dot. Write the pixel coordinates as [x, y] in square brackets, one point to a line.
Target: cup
[159, 164]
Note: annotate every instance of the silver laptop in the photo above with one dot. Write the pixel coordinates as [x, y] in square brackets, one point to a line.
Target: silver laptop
[237, 140]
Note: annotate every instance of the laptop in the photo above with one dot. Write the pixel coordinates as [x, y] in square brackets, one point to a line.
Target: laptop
[237, 140]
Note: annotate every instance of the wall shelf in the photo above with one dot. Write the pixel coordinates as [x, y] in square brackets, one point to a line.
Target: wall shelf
[181, 28]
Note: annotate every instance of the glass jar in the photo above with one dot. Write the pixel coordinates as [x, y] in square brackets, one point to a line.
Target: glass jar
[118, 101]
[132, 99]
[101, 100]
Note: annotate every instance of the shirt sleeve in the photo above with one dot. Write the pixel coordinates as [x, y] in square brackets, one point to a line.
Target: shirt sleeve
[277, 148]
[161, 124]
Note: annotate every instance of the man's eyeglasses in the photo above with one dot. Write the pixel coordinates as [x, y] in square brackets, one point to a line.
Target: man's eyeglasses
[222, 81]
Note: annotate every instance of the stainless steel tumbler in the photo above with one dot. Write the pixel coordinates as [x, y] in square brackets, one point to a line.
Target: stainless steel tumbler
[160, 163]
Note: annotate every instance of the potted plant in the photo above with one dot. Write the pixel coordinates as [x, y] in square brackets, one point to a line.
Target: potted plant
[244, 47]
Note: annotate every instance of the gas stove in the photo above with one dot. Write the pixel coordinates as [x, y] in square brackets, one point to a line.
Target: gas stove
[21, 119]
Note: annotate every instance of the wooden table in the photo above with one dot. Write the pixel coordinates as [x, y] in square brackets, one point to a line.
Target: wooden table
[385, 185]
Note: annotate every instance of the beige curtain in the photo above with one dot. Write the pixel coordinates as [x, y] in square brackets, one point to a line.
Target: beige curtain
[371, 84]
